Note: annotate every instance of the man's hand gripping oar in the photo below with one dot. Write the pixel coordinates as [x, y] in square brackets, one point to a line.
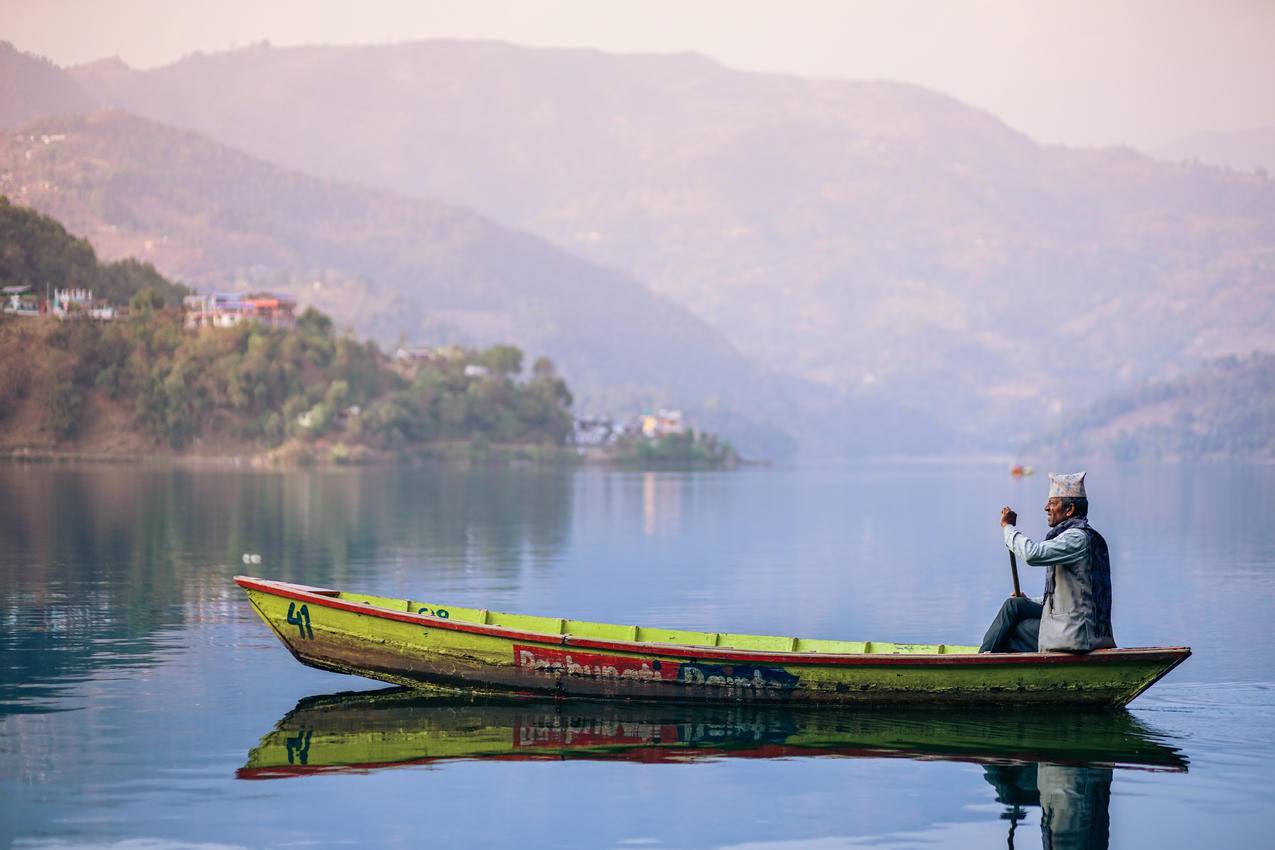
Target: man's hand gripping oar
[1008, 517]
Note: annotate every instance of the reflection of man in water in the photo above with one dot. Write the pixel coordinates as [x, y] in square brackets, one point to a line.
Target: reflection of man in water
[1075, 802]
[1075, 613]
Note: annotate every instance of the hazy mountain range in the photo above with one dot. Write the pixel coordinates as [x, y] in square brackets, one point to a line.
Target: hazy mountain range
[882, 246]
[1224, 409]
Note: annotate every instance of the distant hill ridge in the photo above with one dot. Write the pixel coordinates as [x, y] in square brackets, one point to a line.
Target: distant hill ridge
[884, 240]
[32, 87]
[1224, 410]
[1243, 150]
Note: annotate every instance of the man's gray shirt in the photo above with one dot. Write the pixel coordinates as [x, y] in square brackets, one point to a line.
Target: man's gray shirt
[1070, 619]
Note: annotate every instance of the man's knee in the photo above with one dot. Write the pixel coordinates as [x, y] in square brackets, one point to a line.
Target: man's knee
[1023, 608]
[1012, 606]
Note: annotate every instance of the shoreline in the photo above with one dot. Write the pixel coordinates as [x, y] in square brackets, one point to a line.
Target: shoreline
[327, 456]
[312, 457]
[463, 454]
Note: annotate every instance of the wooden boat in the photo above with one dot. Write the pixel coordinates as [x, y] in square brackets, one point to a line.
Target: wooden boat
[396, 727]
[423, 644]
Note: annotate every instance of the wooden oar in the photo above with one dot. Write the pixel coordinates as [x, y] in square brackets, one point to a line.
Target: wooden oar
[1013, 568]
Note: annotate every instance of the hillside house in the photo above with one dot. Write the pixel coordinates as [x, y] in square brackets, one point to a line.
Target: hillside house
[74, 302]
[663, 423]
[426, 354]
[595, 431]
[413, 354]
[227, 309]
[20, 301]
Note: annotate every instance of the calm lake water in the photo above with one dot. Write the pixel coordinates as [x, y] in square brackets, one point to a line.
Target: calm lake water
[144, 705]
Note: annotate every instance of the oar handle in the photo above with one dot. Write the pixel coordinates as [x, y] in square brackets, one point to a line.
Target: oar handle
[1013, 568]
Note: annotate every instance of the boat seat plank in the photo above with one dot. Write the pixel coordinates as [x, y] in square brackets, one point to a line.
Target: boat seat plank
[836, 647]
[600, 631]
[684, 637]
[527, 622]
[916, 649]
[768, 643]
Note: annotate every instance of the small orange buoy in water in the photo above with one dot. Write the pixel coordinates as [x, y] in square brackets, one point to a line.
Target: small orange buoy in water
[1018, 470]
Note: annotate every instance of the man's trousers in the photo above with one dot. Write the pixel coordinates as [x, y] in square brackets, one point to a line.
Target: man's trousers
[1016, 627]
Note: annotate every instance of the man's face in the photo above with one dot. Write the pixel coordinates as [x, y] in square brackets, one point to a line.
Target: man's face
[1056, 512]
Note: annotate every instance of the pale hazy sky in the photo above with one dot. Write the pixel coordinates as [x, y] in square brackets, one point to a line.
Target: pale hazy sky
[1139, 72]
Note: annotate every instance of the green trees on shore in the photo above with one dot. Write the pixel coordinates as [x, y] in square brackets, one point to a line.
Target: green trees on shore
[688, 450]
[241, 388]
[262, 386]
[448, 398]
[125, 387]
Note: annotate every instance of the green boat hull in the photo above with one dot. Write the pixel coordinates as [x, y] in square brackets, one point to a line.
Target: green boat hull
[418, 644]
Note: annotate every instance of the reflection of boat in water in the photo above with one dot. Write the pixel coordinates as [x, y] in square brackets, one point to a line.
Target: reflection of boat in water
[421, 644]
[370, 730]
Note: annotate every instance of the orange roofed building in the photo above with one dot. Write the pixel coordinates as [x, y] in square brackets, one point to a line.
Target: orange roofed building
[227, 309]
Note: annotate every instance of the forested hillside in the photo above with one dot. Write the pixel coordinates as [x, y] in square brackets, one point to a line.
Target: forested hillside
[147, 384]
[1220, 411]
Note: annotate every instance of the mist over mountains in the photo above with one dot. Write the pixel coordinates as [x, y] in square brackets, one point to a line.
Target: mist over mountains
[885, 248]
[865, 235]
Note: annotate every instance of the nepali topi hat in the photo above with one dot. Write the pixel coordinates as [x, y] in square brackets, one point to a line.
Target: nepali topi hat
[1067, 485]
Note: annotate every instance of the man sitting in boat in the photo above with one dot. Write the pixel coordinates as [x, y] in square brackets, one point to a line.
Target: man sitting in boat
[1075, 613]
